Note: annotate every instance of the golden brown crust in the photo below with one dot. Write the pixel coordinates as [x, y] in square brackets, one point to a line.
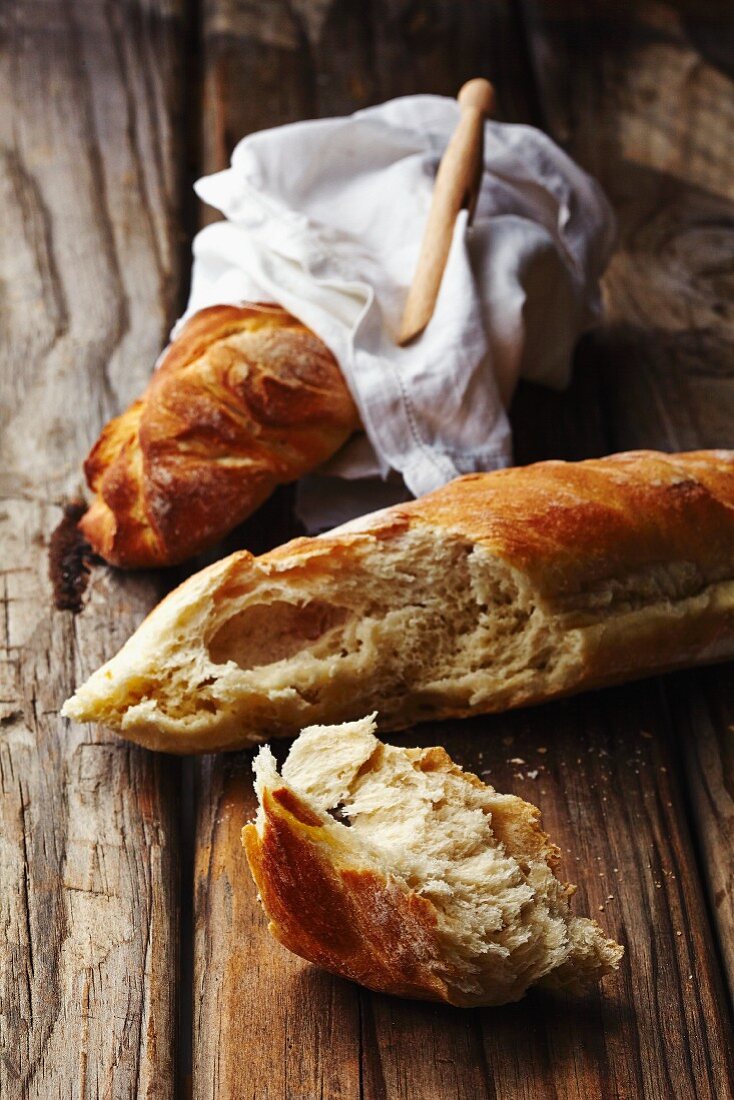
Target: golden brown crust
[352, 922]
[347, 909]
[577, 531]
[570, 525]
[245, 398]
[567, 525]
[626, 562]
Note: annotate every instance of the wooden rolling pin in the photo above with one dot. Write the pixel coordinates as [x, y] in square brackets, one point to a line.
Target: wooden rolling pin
[457, 184]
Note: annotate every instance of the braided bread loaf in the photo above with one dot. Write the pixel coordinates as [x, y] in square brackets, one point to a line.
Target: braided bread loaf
[245, 398]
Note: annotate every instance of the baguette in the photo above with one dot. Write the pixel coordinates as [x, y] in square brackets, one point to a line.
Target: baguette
[496, 591]
[396, 869]
[244, 399]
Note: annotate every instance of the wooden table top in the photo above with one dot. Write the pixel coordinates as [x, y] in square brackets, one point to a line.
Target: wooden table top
[134, 960]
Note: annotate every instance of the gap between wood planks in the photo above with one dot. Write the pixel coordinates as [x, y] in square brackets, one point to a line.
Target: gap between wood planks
[192, 121]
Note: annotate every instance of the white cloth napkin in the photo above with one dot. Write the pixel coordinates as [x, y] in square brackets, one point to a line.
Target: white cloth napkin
[326, 218]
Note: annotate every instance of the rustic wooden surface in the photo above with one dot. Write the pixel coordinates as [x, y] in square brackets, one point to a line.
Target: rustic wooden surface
[665, 357]
[635, 783]
[90, 187]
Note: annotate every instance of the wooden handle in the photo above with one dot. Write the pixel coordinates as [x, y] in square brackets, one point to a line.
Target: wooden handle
[477, 94]
[457, 184]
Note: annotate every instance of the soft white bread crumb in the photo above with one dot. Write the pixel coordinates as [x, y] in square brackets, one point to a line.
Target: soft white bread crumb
[395, 868]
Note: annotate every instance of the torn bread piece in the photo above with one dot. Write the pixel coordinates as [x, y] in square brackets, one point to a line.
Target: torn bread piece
[496, 591]
[398, 870]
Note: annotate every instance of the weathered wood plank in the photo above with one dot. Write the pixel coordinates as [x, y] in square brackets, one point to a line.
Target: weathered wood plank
[88, 863]
[647, 105]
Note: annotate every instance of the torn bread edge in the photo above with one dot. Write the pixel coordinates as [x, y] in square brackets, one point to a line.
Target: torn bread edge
[432, 885]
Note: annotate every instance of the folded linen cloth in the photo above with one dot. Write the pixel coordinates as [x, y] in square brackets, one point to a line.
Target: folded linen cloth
[326, 218]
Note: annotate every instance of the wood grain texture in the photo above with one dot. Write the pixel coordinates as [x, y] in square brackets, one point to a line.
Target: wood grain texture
[88, 867]
[88, 826]
[665, 370]
[605, 767]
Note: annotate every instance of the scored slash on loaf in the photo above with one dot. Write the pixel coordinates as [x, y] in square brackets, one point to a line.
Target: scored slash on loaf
[498, 590]
[439, 888]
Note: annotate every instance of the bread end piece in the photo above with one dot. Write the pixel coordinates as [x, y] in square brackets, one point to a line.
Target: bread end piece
[394, 868]
[244, 399]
